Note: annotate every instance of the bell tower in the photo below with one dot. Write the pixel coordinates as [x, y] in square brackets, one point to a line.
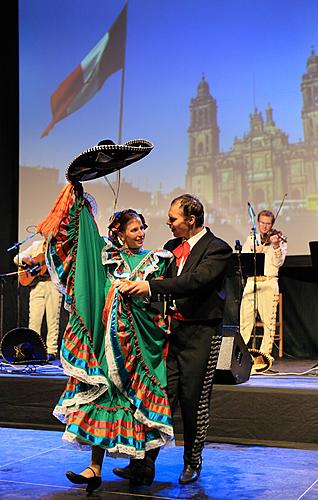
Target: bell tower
[309, 89]
[203, 140]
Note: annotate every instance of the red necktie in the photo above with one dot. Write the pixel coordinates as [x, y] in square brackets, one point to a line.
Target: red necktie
[182, 251]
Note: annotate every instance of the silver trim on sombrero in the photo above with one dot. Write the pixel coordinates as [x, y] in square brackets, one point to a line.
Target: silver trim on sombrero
[138, 147]
[268, 362]
[26, 331]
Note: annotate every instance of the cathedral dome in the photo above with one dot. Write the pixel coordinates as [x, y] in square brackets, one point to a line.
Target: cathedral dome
[312, 62]
[203, 88]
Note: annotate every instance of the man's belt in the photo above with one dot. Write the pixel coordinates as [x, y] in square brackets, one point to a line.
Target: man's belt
[262, 278]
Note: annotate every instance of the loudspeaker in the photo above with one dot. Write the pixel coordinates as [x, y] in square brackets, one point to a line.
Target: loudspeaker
[235, 362]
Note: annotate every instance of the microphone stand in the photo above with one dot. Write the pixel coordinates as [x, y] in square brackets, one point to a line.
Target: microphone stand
[3, 278]
[16, 246]
[2, 281]
[238, 248]
[19, 243]
[252, 215]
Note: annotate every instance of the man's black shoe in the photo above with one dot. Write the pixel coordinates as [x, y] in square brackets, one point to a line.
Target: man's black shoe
[138, 472]
[189, 475]
[51, 357]
[124, 472]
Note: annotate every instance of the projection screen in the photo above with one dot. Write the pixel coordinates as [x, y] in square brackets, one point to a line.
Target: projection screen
[227, 91]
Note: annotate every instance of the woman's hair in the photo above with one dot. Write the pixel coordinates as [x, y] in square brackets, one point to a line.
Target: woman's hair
[191, 206]
[118, 222]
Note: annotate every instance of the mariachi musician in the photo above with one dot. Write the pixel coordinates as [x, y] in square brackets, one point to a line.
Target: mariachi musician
[44, 298]
[265, 298]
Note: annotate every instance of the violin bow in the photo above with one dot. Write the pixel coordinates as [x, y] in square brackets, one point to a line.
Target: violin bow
[277, 214]
[280, 206]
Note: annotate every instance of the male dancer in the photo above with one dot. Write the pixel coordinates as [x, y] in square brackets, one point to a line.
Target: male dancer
[194, 290]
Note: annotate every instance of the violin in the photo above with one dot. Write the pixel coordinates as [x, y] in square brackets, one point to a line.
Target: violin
[273, 232]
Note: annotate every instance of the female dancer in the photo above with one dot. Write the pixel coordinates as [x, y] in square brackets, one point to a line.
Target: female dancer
[112, 349]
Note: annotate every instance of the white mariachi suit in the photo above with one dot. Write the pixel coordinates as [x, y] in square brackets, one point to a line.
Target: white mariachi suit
[44, 299]
[267, 292]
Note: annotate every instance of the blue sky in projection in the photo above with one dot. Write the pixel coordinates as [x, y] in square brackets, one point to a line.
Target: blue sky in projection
[252, 53]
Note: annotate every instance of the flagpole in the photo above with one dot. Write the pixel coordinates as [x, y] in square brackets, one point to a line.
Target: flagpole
[121, 108]
[121, 111]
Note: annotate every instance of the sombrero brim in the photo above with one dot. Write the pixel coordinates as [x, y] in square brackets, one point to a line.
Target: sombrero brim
[265, 361]
[18, 337]
[105, 159]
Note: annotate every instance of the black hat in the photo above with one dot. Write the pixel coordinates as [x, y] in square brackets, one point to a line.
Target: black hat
[23, 346]
[105, 158]
[261, 361]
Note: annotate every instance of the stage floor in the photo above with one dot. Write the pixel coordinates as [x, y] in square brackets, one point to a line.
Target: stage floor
[277, 408]
[33, 466]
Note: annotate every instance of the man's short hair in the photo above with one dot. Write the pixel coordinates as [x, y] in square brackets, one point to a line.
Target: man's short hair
[266, 213]
[191, 206]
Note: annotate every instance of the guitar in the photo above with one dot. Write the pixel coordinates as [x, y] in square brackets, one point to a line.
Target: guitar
[31, 268]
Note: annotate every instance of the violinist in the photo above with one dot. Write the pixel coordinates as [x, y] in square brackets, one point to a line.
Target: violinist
[265, 295]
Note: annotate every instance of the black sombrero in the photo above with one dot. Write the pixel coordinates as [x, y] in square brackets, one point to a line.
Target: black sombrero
[22, 346]
[105, 158]
[261, 362]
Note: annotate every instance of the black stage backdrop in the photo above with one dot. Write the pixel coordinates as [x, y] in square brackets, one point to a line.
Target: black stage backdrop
[298, 280]
[9, 147]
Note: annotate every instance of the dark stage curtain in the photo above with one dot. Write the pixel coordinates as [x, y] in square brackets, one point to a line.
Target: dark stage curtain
[300, 309]
[9, 135]
[9, 147]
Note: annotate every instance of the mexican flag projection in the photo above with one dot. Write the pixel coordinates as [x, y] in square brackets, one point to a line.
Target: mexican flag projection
[107, 57]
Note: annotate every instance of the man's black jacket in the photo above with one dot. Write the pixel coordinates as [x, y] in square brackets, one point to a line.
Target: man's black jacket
[198, 292]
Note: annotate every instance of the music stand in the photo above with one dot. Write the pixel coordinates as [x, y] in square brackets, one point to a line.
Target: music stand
[248, 261]
[252, 265]
[313, 245]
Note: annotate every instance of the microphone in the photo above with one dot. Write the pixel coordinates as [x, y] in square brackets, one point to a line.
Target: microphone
[250, 209]
[252, 216]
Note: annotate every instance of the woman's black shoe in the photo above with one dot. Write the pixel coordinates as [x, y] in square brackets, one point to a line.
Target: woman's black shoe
[93, 482]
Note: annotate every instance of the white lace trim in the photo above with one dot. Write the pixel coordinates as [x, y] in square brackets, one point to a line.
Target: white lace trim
[111, 363]
[165, 430]
[81, 375]
[119, 451]
[154, 267]
[92, 203]
[99, 386]
[52, 271]
[115, 378]
[82, 398]
[69, 406]
[128, 274]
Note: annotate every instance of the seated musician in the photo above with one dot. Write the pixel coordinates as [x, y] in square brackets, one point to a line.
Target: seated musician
[274, 246]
